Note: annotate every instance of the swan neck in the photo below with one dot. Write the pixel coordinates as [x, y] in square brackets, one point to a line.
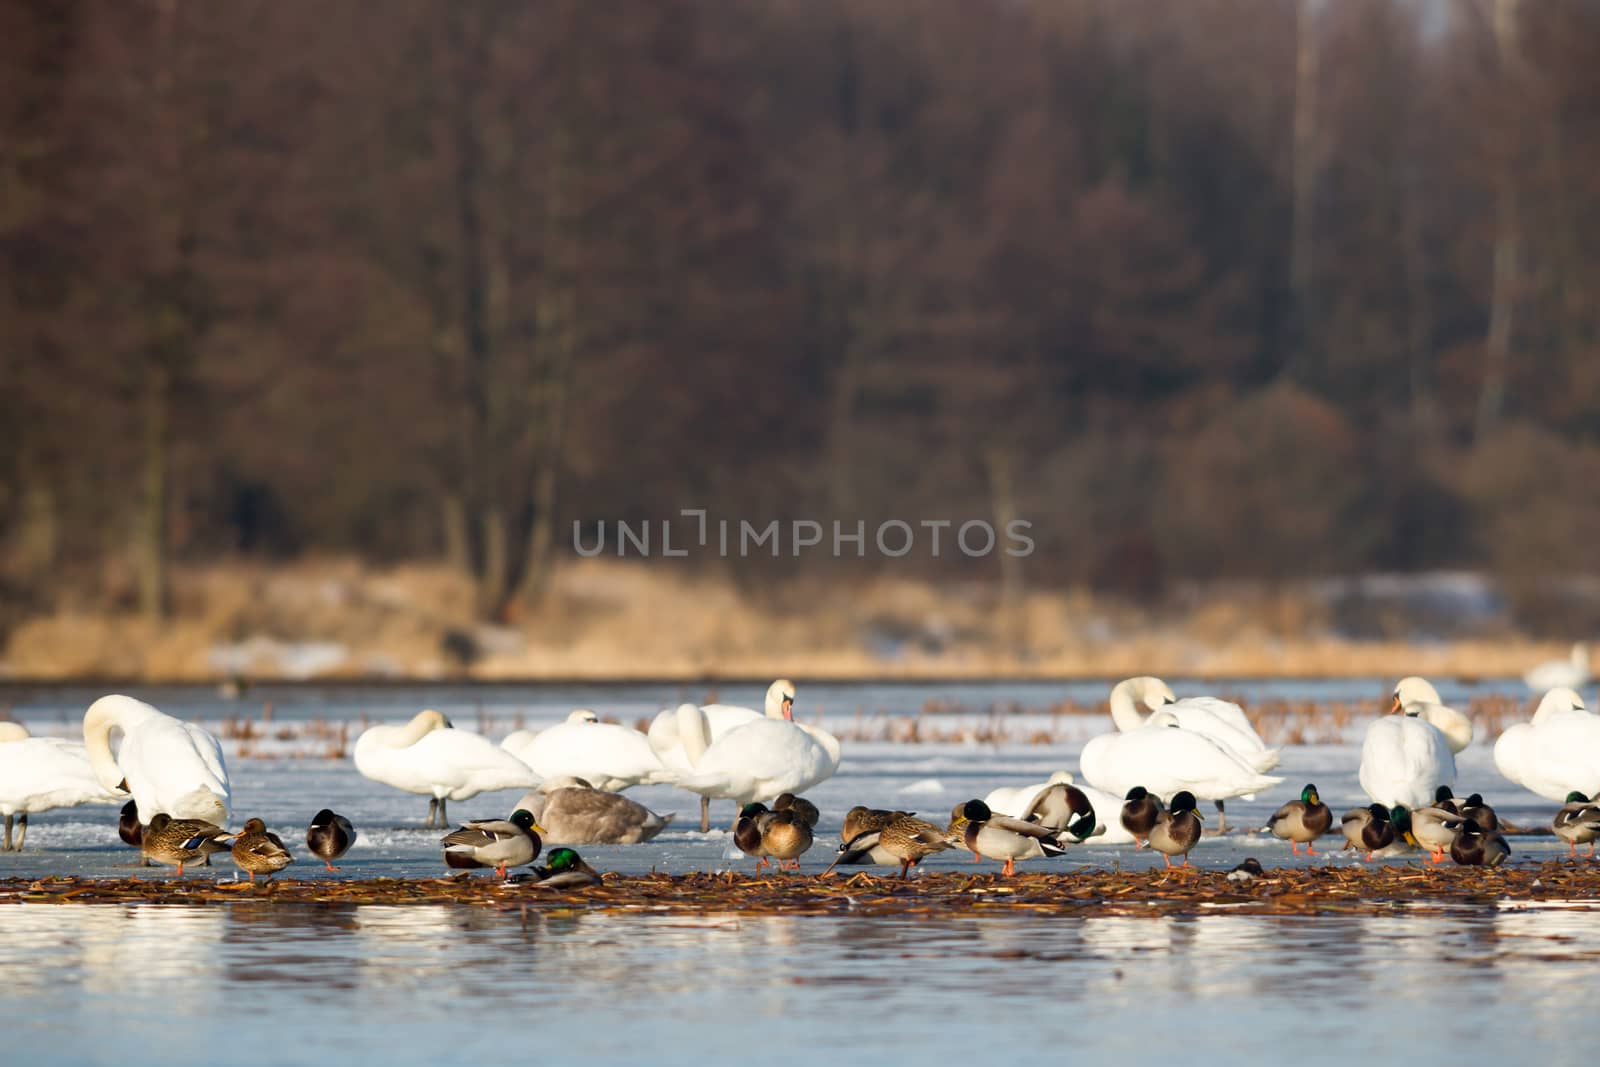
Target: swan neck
[98, 723]
[693, 733]
[1124, 712]
[419, 727]
[13, 731]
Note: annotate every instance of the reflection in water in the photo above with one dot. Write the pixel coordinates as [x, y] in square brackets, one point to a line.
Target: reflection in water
[429, 983]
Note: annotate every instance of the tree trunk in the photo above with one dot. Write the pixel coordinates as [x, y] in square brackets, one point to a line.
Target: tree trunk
[153, 503]
[1507, 239]
[1302, 264]
[1000, 467]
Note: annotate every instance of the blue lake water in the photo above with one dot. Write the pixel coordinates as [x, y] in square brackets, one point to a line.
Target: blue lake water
[428, 985]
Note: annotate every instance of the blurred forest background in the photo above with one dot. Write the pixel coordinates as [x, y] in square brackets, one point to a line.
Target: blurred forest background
[323, 323]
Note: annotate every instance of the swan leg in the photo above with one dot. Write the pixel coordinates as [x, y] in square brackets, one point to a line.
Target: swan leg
[1222, 817]
[7, 847]
[444, 818]
[705, 814]
[433, 810]
[22, 830]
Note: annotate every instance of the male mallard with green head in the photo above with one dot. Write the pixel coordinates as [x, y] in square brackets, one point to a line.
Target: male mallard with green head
[1302, 821]
[1000, 837]
[1140, 810]
[256, 851]
[1577, 823]
[1367, 829]
[566, 870]
[1177, 830]
[781, 835]
[1475, 809]
[497, 843]
[329, 836]
[176, 842]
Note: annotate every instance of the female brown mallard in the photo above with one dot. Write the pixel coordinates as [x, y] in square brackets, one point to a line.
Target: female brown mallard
[859, 820]
[1302, 821]
[1367, 829]
[1000, 837]
[329, 836]
[176, 842]
[781, 835]
[1177, 830]
[1140, 810]
[1474, 846]
[910, 841]
[497, 843]
[256, 851]
[800, 806]
[1577, 823]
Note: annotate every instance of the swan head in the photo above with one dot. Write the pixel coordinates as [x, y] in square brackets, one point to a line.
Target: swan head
[780, 700]
[1152, 692]
[583, 715]
[1557, 701]
[1163, 718]
[13, 731]
[435, 720]
[1413, 690]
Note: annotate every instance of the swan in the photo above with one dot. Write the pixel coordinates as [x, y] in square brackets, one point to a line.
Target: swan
[609, 756]
[1417, 696]
[1016, 801]
[1167, 759]
[1404, 760]
[681, 735]
[41, 773]
[427, 755]
[171, 767]
[1558, 752]
[1570, 673]
[759, 760]
[1221, 720]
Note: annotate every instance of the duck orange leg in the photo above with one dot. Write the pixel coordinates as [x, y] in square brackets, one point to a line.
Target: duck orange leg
[331, 867]
[1591, 849]
[1294, 846]
[1309, 850]
[976, 858]
[1166, 859]
[180, 869]
[1010, 868]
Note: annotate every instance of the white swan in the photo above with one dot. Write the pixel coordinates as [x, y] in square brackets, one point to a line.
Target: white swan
[427, 755]
[1558, 752]
[1166, 759]
[41, 773]
[1221, 720]
[680, 735]
[1014, 801]
[756, 761]
[1417, 696]
[170, 766]
[608, 756]
[1404, 760]
[1570, 673]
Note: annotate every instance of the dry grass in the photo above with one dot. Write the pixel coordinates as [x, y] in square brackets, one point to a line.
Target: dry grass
[617, 620]
[1291, 891]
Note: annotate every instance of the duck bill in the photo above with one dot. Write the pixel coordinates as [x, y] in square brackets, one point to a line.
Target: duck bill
[788, 709]
[536, 828]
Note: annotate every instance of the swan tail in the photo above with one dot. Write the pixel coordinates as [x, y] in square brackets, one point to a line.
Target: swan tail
[1267, 759]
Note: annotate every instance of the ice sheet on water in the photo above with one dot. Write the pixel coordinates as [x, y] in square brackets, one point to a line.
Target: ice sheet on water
[922, 787]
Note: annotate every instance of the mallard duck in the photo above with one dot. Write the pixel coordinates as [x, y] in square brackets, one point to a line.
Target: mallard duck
[1367, 829]
[497, 843]
[575, 813]
[257, 851]
[1246, 872]
[1062, 806]
[1302, 821]
[176, 842]
[865, 847]
[1445, 798]
[1433, 828]
[1000, 837]
[1577, 823]
[781, 835]
[566, 870]
[859, 820]
[1475, 809]
[130, 831]
[800, 806]
[909, 841]
[329, 836]
[1177, 830]
[1140, 810]
[1474, 846]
